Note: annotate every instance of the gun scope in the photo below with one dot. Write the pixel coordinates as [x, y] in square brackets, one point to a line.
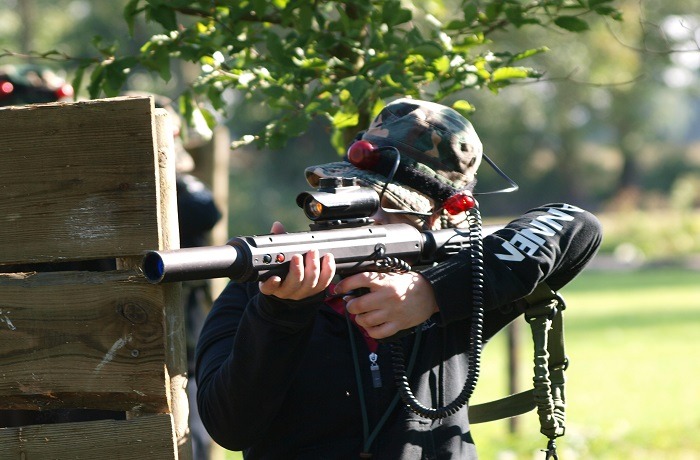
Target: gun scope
[338, 198]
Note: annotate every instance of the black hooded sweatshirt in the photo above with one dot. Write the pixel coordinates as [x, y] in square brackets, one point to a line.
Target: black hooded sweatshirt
[277, 378]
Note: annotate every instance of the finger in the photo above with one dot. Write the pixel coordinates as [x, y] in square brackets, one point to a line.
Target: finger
[277, 228]
[312, 269]
[360, 305]
[371, 319]
[293, 279]
[327, 270]
[382, 331]
[270, 285]
[354, 282]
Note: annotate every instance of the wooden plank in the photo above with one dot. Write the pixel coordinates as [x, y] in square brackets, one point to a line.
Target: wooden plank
[142, 438]
[176, 352]
[78, 180]
[82, 340]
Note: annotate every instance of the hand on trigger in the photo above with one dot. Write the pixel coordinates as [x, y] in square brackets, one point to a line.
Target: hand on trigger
[396, 301]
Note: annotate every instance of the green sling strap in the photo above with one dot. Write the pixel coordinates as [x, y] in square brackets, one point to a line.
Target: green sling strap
[544, 314]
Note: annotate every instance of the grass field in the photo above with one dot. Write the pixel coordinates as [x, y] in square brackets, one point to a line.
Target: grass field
[633, 339]
[633, 389]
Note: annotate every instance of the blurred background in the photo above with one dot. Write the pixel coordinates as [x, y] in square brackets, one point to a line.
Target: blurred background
[614, 127]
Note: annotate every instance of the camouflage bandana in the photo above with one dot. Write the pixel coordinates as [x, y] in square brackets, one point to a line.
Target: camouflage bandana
[436, 139]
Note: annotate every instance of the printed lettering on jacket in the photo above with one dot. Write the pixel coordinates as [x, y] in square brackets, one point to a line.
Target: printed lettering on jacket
[527, 241]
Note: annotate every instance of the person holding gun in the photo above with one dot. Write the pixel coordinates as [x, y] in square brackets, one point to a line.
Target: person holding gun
[300, 367]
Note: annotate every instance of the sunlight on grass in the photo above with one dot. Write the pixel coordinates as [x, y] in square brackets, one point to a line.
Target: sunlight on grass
[632, 338]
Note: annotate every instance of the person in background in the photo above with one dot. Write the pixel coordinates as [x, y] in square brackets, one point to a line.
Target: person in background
[197, 215]
[297, 367]
[31, 84]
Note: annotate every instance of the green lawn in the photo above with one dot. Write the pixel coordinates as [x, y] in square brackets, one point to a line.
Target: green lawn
[633, 339]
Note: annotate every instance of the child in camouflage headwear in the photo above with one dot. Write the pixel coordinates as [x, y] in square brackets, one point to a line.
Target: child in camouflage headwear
[434, 139]
[283, 372]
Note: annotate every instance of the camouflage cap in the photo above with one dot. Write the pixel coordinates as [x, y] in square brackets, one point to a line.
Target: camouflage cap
[434, 138]
[434, 135]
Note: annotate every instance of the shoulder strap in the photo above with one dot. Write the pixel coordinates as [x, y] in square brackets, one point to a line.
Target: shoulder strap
[544, 314]
[547, 325]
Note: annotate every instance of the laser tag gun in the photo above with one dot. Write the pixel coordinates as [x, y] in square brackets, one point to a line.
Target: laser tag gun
[340, 212]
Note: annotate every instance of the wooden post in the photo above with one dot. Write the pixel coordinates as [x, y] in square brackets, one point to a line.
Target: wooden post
[176, 358]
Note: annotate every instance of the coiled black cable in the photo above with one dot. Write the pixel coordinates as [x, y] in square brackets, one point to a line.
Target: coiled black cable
[392, 264]
[476, 249]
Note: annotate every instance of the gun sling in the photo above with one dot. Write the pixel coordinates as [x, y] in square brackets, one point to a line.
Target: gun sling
[544, 314]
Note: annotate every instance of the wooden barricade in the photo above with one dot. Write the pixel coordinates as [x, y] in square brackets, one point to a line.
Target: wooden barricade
[85, 189]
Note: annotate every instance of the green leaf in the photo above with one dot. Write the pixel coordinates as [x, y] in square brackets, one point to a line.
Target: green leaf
[106, 50]
[186, 106]
[514, 13]
[609, 11]
[442, 64]
[571, 23]
[305, 17]
[493, 10]
[78, 79]
[276, 47]
[383, 69]
[274, 91]
[429, 50]
[508, 73]
[592, 4]
[161, 62]
[529, 53]
[113, 81]
[456, 25]
[319, 106]
[130, 11]
[376, 108]
[338, 141]
[358, 88]
[203, 122]
[471, 12]
[96, 78]
[313, 63]
[463, 107]
[393, 14]
[343, 119]
[163, 15]
[214, 95]
[292, 126]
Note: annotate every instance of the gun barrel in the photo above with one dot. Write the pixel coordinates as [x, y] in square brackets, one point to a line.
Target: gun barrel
[190, 263]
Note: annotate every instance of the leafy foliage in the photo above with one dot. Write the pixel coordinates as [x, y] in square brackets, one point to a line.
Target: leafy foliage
[336, 59]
